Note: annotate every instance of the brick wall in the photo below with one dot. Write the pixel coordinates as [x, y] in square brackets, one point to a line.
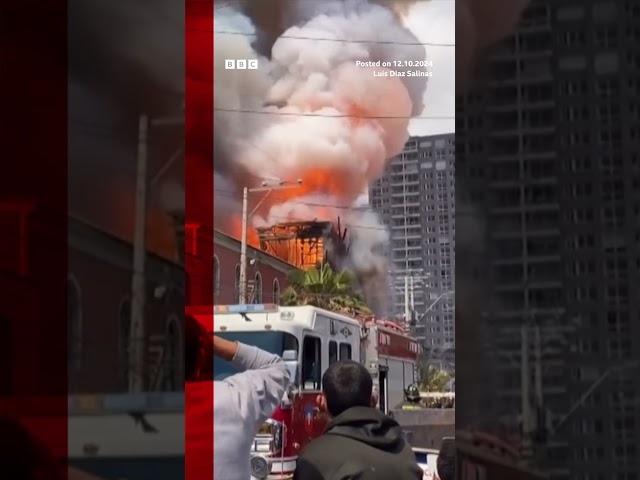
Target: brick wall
[100, 276]
[208, 252]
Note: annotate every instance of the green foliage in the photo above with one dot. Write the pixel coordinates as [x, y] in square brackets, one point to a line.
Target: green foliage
[432, 379]
[324, 288]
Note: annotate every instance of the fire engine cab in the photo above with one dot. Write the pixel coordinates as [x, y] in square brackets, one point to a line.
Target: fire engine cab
[309, 339]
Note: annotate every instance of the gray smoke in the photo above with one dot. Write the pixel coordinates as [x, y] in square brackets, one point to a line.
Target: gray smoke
[294, 116]
[125, 58]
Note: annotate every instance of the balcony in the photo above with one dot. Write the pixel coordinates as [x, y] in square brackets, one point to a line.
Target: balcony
[531, 207]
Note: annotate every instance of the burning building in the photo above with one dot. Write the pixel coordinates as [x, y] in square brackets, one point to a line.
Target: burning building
[309, 112]
[305, 244]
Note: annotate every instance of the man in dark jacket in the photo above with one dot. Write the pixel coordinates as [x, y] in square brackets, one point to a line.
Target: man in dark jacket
[360, 441]
[446, 463]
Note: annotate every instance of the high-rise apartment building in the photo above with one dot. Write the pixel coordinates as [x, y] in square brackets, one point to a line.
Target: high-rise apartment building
[416, 200]
[549, 158]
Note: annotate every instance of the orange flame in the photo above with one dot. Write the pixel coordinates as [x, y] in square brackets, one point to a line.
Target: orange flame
[235, 230]
[161, 237]
[387, 114]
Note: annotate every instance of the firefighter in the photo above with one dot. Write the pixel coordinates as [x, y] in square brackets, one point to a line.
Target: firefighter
[241, 402]
[412, 398]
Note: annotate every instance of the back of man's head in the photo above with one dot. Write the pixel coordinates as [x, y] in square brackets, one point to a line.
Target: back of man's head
[346, 384]
[446, 463]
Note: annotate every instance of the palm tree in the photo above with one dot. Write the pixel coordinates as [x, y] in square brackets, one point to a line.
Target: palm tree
[433, 379]
[322, 287]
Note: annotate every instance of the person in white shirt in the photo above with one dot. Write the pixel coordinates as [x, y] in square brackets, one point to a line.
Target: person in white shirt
[241, 402]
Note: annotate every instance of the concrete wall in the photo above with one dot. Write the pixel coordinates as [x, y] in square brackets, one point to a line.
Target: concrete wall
[426, 428]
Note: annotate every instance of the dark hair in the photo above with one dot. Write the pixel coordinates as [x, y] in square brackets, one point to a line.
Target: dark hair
[197, 348]
[446, 463]
[346, 384]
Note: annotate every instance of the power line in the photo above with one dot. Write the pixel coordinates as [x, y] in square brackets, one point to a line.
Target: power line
[338, 40]
[234, 194]
[309, 204]
[234, 3]
[342, 223]
[365, 117]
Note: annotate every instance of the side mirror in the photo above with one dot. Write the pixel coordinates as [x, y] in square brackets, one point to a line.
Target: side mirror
[290, 358]
[289, 355]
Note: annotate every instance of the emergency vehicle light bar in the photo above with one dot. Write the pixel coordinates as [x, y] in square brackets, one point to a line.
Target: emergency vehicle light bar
[249, 308]
[123, 403]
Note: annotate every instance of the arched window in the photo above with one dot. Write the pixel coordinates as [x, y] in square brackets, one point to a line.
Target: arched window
[174, 356]
[236, 293]
[124, 330]
[276, 291]
[216, 277]
[74, 327]
[258, 288]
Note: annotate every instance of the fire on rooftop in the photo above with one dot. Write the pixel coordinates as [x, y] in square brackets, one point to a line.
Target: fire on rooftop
[304, 244]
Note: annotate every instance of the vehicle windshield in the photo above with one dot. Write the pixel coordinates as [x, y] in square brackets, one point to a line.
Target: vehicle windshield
[272, 342]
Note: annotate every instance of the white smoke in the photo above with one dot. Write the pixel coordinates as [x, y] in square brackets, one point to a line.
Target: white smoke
[237, 90]
[310, 112]
[480, 24]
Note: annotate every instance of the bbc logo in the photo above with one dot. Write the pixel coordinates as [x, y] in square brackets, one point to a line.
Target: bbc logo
[251, 64]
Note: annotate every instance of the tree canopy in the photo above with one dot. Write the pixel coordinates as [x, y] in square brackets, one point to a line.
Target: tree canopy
[432, 379]
[325, 288]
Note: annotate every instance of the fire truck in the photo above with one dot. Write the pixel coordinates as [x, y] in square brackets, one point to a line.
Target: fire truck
[309, 339]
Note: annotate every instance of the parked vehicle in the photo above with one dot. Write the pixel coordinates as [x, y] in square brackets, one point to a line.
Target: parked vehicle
[309, 339]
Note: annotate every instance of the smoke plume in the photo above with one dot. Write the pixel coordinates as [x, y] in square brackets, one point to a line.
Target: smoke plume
[125, 59]
[310, 112]
[481, 24]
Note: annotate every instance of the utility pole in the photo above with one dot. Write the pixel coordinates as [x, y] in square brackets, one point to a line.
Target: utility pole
[243, 248]
[407, 307]
[281, 185]
[137, 334]
[412, 306]
[136, 344]
[525, 378]
[538, 369]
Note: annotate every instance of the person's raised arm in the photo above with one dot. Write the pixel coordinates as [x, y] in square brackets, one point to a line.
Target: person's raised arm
[261, 383]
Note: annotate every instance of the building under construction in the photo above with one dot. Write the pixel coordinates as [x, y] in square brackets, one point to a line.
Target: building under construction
[305, 244]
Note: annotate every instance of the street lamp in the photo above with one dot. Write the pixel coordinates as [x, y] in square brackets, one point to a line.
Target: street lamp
[438, 298]
[138, 296]
[265, 187]
[412, 279]
[589, 391]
